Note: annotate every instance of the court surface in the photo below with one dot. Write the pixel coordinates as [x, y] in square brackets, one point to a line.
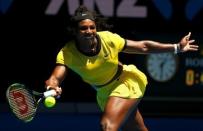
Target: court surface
[90, 122]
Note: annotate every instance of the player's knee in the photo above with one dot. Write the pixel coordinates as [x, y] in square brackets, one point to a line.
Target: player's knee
[108, 125]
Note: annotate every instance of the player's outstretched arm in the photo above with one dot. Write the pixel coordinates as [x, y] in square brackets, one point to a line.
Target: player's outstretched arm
[56, 78]
[149, 46]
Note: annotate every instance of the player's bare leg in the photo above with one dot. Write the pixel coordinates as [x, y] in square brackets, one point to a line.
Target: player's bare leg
[117, 111]
[135, 123]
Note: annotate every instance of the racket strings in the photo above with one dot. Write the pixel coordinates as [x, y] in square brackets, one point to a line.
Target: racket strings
[22, 103]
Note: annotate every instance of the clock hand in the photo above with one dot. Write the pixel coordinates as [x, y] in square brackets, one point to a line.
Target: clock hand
[161, 69]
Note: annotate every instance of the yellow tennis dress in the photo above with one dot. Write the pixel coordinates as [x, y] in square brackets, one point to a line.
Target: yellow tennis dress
[101, 68]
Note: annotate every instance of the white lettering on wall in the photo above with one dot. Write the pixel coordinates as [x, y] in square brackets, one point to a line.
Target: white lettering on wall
[53, 7]
[72, 6]
[106, 7]
[127, 9]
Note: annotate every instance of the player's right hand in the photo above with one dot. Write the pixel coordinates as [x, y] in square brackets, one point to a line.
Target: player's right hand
[57, 89]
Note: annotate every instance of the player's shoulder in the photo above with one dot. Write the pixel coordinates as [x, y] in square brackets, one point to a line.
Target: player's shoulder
[103, 33]
[69, 44]
[107, 34]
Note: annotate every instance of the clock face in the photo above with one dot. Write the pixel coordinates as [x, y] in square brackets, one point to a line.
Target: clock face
[161, 67]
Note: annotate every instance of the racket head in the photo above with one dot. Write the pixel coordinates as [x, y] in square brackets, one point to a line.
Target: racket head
[21, 101]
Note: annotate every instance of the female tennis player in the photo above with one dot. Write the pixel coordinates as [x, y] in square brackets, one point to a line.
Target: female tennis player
[93, 54]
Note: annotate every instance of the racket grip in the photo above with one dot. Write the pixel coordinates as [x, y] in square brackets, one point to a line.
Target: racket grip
[49, 93]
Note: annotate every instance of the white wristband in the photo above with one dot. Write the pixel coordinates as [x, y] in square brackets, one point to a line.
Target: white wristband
[175, 48]
[49, 93]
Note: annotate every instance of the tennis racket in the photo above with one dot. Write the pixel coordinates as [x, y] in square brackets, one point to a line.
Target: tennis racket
[24, 102]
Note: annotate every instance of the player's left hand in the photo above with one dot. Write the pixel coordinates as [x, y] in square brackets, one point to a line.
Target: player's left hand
[187, 45]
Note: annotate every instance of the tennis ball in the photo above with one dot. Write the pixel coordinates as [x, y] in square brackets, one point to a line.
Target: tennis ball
[50, 101]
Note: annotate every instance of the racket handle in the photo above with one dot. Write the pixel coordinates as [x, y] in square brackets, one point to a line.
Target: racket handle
[49, 93]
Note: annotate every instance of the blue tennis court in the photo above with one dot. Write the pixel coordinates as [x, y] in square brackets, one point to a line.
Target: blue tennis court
[90, 122]
[86, 117]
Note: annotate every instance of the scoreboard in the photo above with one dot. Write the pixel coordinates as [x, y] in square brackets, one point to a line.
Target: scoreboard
[194, 72]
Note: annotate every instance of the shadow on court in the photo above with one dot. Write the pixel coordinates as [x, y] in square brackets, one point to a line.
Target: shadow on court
[90, 122]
